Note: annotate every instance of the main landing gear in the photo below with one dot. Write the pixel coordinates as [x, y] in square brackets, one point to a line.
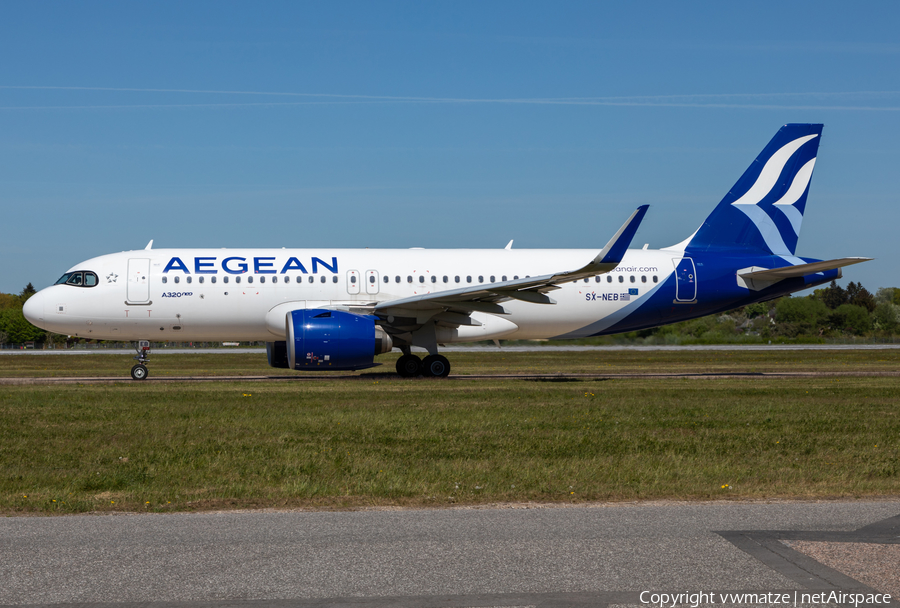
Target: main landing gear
[139, 371]
[434, 366]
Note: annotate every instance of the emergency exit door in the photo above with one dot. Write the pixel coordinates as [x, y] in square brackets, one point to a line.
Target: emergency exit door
[372, 281]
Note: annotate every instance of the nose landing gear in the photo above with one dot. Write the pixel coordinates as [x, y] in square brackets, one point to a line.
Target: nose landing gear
[139, 371]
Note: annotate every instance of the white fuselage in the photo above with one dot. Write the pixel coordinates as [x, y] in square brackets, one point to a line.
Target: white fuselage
[244, 294]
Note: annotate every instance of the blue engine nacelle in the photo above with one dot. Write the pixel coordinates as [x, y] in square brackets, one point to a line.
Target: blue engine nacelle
[329, 339]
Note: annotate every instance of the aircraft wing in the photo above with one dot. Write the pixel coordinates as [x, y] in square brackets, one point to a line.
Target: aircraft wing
[486, 298]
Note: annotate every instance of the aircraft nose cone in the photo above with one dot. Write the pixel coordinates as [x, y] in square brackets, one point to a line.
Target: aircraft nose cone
[34, 309]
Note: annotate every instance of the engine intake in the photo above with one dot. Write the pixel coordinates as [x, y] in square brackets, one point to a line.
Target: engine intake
[329, 339]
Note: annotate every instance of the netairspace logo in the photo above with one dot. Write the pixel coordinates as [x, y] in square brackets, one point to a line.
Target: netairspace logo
[695, 599]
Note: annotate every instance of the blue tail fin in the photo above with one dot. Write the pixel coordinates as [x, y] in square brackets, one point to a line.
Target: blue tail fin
[764, 209]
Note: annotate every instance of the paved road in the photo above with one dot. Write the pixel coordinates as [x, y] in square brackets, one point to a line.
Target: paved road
[595, 555]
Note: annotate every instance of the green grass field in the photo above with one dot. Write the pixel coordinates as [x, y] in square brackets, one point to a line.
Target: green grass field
[382, 440]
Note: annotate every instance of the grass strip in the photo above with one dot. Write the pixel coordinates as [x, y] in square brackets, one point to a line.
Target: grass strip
[465, 363]
[387, 441]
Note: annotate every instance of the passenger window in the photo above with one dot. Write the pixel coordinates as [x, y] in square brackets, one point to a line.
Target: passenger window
[468, 279]
[421, 278]
[165, 280]
[621, 278]
[177, 279]
[224, 279]
[249, 279]
[353, 280]
[632, 278]
[372, 279]
[480, 279]
[312, 279]
[323, 279]
[333, 279]
[446, 279]
[200, 279]
[655, 279]
[587, 279]
[386, 279]
[262, 279]
[609, 278]
[456, 278]
[274, 279]
[397, 279]
[236, 279]
[597, 279]
[493, 279]
[434, 278]
[188, 279]
[212, 279]
[503, 278]
[643, 278]
[516, 278]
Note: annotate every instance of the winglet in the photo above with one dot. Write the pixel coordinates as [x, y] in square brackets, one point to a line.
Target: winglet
[618, 244]
[149, 245]
[612, 254]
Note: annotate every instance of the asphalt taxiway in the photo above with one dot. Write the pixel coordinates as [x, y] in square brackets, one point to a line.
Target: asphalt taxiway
[512, 555]
[388, 375]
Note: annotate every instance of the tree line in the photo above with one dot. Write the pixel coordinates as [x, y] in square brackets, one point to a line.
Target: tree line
[14, 328]
[831, 312]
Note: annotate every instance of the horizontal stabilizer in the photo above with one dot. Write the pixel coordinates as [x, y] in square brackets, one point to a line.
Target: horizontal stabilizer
[787, 272]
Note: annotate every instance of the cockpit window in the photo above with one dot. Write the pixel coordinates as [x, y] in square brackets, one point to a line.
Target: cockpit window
[80, 278]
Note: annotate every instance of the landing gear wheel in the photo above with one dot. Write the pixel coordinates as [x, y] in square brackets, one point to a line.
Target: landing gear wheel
[139, 372]
[409, 366]
[436, 366]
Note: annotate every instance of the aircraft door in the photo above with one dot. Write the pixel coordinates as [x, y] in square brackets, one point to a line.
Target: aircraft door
[372, 281]
[685, 280]
[138, 280]
[353, 282]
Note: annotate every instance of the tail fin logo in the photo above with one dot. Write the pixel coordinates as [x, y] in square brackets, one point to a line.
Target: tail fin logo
[750, 202]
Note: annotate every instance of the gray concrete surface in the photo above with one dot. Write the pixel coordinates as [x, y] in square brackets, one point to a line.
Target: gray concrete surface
[584, 555]
[511, 349]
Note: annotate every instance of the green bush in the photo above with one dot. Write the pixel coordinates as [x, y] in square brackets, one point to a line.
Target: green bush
[851, 318]
[796, 316]
[886, 317]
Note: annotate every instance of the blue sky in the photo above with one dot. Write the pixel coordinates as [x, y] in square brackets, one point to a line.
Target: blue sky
[463, 124]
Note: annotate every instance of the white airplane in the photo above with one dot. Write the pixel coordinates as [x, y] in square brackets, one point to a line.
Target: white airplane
[338, 309]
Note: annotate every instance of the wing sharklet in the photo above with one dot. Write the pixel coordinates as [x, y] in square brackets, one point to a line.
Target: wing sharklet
[530, 289]
[611, 254]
